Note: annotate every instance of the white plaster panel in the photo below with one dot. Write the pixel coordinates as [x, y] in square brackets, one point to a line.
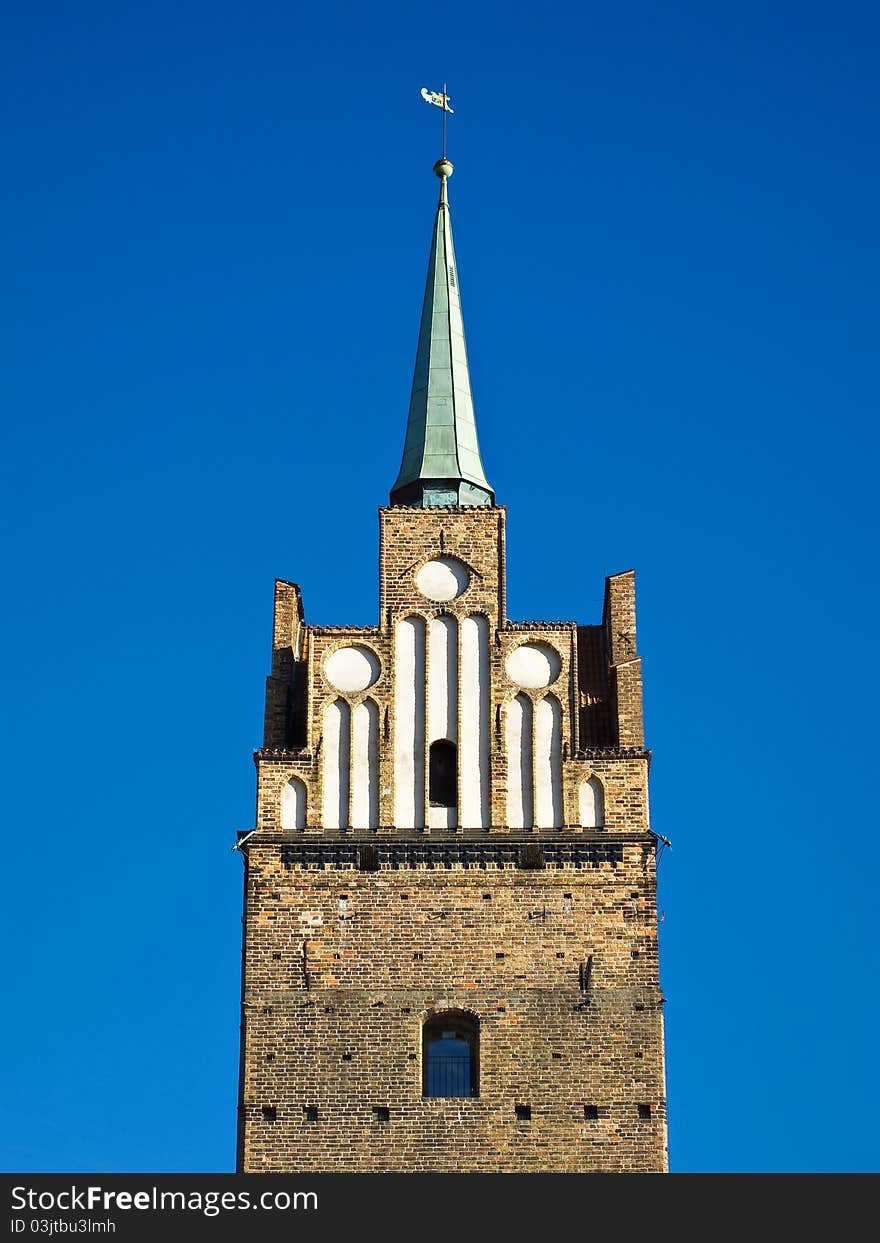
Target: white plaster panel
[351, 669]
[442, 699]
[364, 766]
[518, 743]
[442, 817]
[474, 726]
[293, 805]
[337, 747]
[591, 798]
[548, 763]
[443, 679]
[533, 665]
[409, 723]
[442, 579]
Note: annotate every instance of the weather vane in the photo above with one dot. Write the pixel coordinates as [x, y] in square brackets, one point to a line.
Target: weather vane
[440, 100]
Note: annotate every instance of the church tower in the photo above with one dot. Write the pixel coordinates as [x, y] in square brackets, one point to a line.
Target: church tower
[450, 926]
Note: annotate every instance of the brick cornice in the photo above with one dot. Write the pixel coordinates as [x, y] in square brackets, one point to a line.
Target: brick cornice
[443, 837]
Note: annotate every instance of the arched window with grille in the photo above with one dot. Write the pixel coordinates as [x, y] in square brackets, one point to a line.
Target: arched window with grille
[451, 1054]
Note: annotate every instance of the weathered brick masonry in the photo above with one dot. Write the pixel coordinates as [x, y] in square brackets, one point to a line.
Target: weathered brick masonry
[354, 937]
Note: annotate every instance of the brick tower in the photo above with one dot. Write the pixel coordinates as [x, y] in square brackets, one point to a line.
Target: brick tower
[450, 930]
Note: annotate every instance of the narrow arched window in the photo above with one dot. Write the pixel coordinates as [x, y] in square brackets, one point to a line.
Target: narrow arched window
[443, 774]
[451, 1055]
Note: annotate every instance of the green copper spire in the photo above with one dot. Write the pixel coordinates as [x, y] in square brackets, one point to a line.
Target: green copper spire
[441, 457]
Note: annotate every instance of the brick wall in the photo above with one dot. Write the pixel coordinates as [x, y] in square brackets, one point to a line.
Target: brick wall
[544, 1041]
[340, 961]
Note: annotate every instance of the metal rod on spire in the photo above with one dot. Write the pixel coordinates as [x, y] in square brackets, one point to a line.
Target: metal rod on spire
[445, 97]
[440, 100]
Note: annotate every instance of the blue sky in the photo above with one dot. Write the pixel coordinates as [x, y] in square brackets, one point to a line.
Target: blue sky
[217, 220]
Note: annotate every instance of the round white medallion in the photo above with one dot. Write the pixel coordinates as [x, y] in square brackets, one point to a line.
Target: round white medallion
[533, 665]
[351, 669]
[443, 579]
